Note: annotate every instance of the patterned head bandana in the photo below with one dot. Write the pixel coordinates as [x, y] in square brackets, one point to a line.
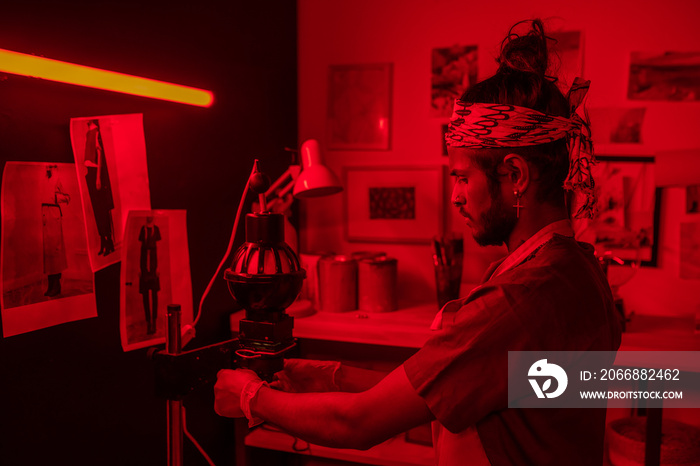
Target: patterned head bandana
[485, 126]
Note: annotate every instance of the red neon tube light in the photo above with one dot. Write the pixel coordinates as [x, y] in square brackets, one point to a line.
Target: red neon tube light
[64, 72]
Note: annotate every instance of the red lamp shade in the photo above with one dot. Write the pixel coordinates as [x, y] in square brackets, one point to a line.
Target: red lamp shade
[315, 178]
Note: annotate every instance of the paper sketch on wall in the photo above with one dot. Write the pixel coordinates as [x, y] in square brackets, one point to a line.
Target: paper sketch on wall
[454, 69]
[665, 76]
[110, 158]
[46, 276]
[566, 57]
[155, 272]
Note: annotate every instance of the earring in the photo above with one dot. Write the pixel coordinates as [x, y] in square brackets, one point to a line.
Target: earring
[517, 205]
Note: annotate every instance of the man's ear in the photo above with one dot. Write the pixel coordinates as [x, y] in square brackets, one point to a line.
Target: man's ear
[518, 172]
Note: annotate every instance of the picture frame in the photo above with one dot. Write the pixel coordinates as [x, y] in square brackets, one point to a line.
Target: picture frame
[359, 107]
[393, 204]
[626, 224]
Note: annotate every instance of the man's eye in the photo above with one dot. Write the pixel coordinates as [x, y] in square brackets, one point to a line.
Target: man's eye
[461, 180]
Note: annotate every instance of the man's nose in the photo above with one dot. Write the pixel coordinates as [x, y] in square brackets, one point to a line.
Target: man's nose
[457, 198]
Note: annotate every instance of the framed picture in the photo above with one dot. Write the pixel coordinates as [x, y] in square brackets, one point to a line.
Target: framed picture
[399, 204]
[359, 107]
[627, 222]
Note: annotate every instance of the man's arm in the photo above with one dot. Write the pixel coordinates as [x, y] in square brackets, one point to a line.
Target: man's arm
[309, 375]
[340, 420]
[346, 420]
[355, 379]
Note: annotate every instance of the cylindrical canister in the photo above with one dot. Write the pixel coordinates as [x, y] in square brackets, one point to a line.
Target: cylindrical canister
[337, 278]
[377, 289]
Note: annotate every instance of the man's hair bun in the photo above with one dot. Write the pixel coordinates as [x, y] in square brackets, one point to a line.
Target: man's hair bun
[525, 53]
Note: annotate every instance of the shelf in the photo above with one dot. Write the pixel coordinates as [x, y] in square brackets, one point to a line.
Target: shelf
[393, 452]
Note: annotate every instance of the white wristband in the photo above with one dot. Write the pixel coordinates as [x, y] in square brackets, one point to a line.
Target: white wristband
[250, 390]
[335, 377]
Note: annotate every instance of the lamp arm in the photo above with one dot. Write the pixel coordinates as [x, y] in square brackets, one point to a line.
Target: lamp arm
[289, 177]
[283, 177]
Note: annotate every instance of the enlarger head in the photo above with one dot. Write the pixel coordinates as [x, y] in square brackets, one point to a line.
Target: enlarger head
[264, 278]
[265, 275]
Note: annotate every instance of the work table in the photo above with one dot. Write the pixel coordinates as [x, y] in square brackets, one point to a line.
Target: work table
[408, 329]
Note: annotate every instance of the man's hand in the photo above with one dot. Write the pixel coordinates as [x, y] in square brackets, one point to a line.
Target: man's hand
[306, 375]
[98, 185]
[227, 391]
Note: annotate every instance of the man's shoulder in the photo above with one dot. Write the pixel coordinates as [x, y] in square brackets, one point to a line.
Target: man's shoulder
[560, 259]
[563, 273]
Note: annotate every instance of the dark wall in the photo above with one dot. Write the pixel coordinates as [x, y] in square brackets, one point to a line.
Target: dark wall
[68, 394]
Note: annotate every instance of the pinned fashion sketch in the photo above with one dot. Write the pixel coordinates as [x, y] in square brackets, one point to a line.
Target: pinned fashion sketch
[110, 159]
[155, 272]
[46, 276]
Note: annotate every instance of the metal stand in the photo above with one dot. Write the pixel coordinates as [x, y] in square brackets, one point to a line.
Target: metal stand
[173, 346]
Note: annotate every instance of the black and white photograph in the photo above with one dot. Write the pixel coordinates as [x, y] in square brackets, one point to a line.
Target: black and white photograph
[46, 276]
[110, 160]
[155, 273]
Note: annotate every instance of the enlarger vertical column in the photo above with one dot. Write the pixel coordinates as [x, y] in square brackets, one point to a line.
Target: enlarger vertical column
[173, 345]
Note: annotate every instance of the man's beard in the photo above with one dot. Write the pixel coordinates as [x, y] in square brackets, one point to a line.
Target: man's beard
[497, 224]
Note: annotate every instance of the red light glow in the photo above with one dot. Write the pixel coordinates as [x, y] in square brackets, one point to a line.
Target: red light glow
[64, 72]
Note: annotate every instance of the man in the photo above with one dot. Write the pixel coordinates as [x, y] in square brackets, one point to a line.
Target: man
[514, 143]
